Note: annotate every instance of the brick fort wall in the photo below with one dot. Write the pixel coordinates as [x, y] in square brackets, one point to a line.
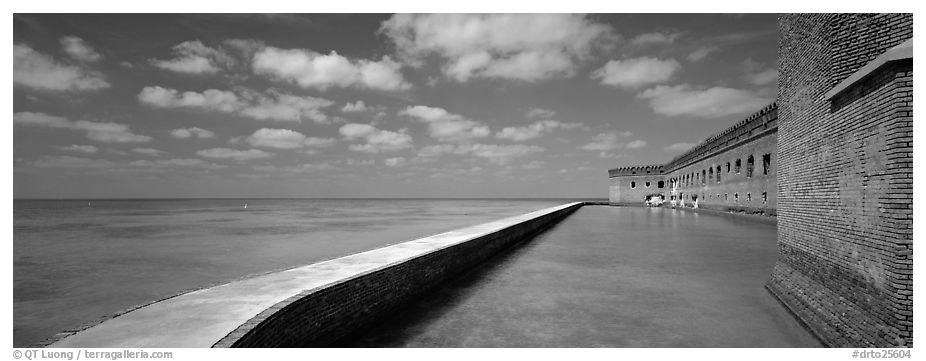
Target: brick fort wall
[845, 182]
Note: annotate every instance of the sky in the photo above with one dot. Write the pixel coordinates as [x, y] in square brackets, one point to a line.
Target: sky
[372, 105]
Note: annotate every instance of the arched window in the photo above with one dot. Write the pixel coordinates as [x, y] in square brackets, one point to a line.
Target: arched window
[703, 176]
[633, 184]
[766, 163]
[737, 166]
[764, 197]
[660, 184]
[748, 197]
[736, 197]
[726, 196]
[710, 173]
[718, 174]
[750, 164]
[728, 167]
[646, 184]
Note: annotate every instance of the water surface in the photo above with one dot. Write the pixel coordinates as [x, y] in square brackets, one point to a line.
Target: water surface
[612, 277]
[75, 262]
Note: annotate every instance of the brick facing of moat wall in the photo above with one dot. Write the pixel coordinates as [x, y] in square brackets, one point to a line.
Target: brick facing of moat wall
[845, 181]
[319, 317]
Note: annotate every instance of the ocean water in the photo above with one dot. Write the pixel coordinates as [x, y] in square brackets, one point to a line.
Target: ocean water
[75, 262]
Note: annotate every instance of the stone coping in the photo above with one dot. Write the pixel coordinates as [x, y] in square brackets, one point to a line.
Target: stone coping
[900, 52]
[202, 318]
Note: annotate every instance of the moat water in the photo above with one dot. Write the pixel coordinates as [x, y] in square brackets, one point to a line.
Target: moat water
[612, 277]
[75, 262]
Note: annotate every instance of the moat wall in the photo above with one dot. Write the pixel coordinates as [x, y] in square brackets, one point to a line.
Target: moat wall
[845, 177]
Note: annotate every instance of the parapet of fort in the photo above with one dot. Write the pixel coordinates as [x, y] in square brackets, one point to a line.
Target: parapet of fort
[833, 160]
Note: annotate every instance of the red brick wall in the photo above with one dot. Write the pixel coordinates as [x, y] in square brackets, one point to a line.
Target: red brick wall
[845, 180]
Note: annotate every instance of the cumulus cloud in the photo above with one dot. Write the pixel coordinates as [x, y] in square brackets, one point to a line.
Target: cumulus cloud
[269, 105]
[436, 150]
[282, 139]
[535, 130]
[395, 162]
[376, 140]
[148, 151]
[702, 53]
[655, 38]
[184, 133]
[310, 69]
[78, 49]
[527, 47]
[319, 142]
[446, 126]
[193, 57]
[39, 71]
[540, 113]
[502, 154]
[757, 74]
[99, 131]
[239, 155]
[636, 144]
[679, 147]
[211, 99]
[286, 107]
[69, 162]
[354, 107]
[606, 141]
[635, 72]
[79, 148]
[685, 100]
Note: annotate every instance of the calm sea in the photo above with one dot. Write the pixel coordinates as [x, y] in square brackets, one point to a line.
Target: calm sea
[74, 261]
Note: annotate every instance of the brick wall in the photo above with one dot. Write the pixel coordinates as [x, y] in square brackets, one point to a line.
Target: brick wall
[845, 180]
[319, 317]
[735, 191]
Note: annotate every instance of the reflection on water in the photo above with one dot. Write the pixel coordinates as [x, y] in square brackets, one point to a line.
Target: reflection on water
[73, 263]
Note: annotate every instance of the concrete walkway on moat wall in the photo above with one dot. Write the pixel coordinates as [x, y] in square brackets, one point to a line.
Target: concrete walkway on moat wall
[612, 277]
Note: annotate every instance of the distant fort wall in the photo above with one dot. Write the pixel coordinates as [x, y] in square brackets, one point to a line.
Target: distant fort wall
[734, 170]
[845, 180]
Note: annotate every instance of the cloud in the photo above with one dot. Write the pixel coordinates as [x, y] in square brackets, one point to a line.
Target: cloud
[527, 47]
[606, 141]
[78, 49]
[184, 133]
[70, 162]
[277, 138]
[98, 131]
[269, 105]
[395, 162]
[502, 154]
[79, 148]
[319, 142]
[634, 72]
[636, 144]
[38, 71]
[654, 38]
[535, 130]
[168, 163]
[149, 151]
[702, 53]
[239, 155]
[354, 107]
[536, 113]
[446, 126]
[310, 69]
[436, 150]
[377, 140]
[285, 107]
[757, 74]
[685, 100]
[211, 99]
[680, 147]
[193, 57]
